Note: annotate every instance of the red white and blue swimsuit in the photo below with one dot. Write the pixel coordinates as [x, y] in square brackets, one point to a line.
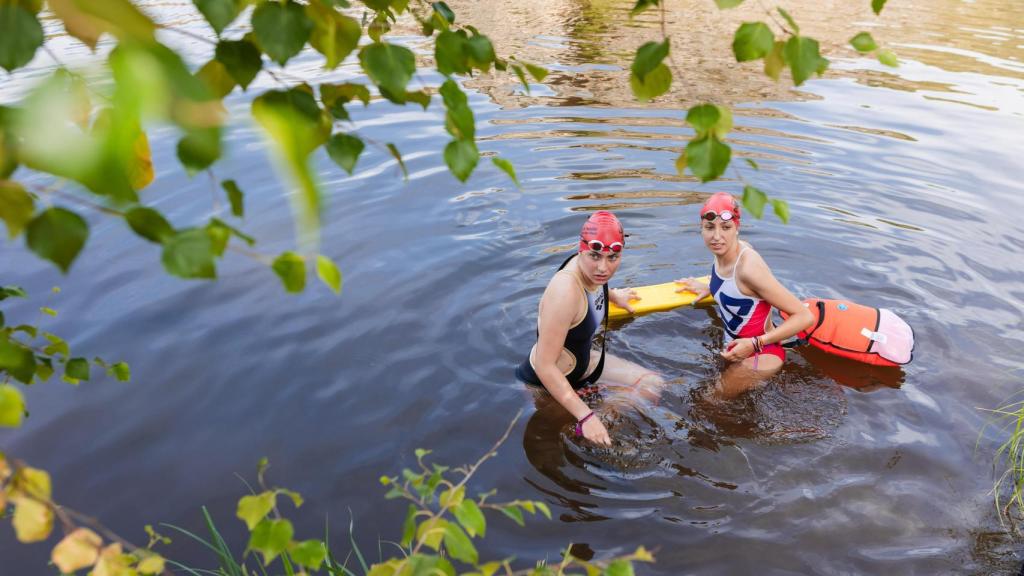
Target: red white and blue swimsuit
[743, 316]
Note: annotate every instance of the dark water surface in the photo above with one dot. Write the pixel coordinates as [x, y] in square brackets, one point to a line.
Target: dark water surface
[906, 192]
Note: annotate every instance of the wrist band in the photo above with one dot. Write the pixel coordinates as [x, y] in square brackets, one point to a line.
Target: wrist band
[579, 424]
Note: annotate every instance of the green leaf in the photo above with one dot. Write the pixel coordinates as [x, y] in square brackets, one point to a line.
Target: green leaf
[444, 11]
[506, 167]
[270, 538]
[189, 254]
[752, 164]
[521, 74]
[754, 200]
[544, 509]
[295, 126]
[291, 269]
[461, 157]
[539, 73]
[12, 406]
[656, 83]
[16, 359]
[345, 149]
[328, 273]
[57, 235]
[781, 208]
[888, 58]
[235, 197]
[409, 526]
[472, 519]
[792, 23]
[398, 156]
[481, 55]
[219, 13]
[641, 6]
[390, 67]
[199, 149]
[121, 371]
[703, 117]
[432, 532]
[16, 207]
[253, 509]
[421, 97]
[57, 346]
[295, 497]
[77, 368]
[334, 35]
[877, 6]
[452, 497]
[451, 52]
[241, 58]
[775, 61]
[149, 224]
[619, 568]
[309, 553]
[459, 120]
[863, 42]
[20, 36]
[803, 58]
[281, 29]
[648, 57]
[458, 545]
[753, 40]
[513, 512]
[12, 291]
[725, 4]
[707, 157]
[48, 311]
[44, 369]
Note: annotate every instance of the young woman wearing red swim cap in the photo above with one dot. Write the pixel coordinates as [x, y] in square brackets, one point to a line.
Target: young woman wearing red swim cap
[745, 291]
[571, 310]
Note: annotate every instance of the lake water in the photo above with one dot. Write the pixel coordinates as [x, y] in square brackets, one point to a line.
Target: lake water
[906, 189]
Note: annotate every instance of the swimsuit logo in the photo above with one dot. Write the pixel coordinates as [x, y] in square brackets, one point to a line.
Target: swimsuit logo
[599, 302]
[842, 306]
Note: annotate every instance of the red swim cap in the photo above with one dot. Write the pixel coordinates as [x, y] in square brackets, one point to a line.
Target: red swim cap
[721, 205]
[604, 228]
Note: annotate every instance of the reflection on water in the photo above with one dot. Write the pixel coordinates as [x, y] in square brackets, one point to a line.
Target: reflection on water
[904, 186]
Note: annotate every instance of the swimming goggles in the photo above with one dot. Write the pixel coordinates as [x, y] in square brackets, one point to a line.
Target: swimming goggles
[598, 246]
[710, 215]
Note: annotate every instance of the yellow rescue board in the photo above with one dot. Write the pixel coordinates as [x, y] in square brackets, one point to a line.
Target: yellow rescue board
[657, 298]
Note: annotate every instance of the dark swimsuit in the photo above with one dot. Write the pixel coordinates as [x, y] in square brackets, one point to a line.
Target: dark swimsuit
[578, 341]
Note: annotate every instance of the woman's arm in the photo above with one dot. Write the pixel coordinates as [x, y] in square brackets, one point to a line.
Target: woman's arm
[558, 308]
[754, 274]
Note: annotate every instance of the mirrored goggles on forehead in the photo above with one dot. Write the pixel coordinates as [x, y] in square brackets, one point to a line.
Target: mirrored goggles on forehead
[725, 215]
[598, 246]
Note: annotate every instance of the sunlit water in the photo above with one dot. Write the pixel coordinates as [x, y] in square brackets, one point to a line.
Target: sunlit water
[906, 191]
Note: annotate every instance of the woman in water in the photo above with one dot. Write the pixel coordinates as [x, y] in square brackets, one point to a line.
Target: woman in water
[745, 292]
[571, 310]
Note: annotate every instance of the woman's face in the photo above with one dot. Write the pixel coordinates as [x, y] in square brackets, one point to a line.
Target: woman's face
[719, 235]
[599, 267]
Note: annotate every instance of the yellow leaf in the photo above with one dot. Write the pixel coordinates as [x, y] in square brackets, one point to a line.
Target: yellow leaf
[33, 482]
[3, 499]
[113, 562]
[141, 173]
[153, 564]
[86, 28]
[33, 520]
[5, 468]
[77, 550]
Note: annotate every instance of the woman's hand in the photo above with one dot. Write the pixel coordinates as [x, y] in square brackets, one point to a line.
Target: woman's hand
[738, 349]
[695, 286]
[595, 431]
[621, 298]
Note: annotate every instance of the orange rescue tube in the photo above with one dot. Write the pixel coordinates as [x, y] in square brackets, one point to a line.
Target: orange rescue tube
[874, 336]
